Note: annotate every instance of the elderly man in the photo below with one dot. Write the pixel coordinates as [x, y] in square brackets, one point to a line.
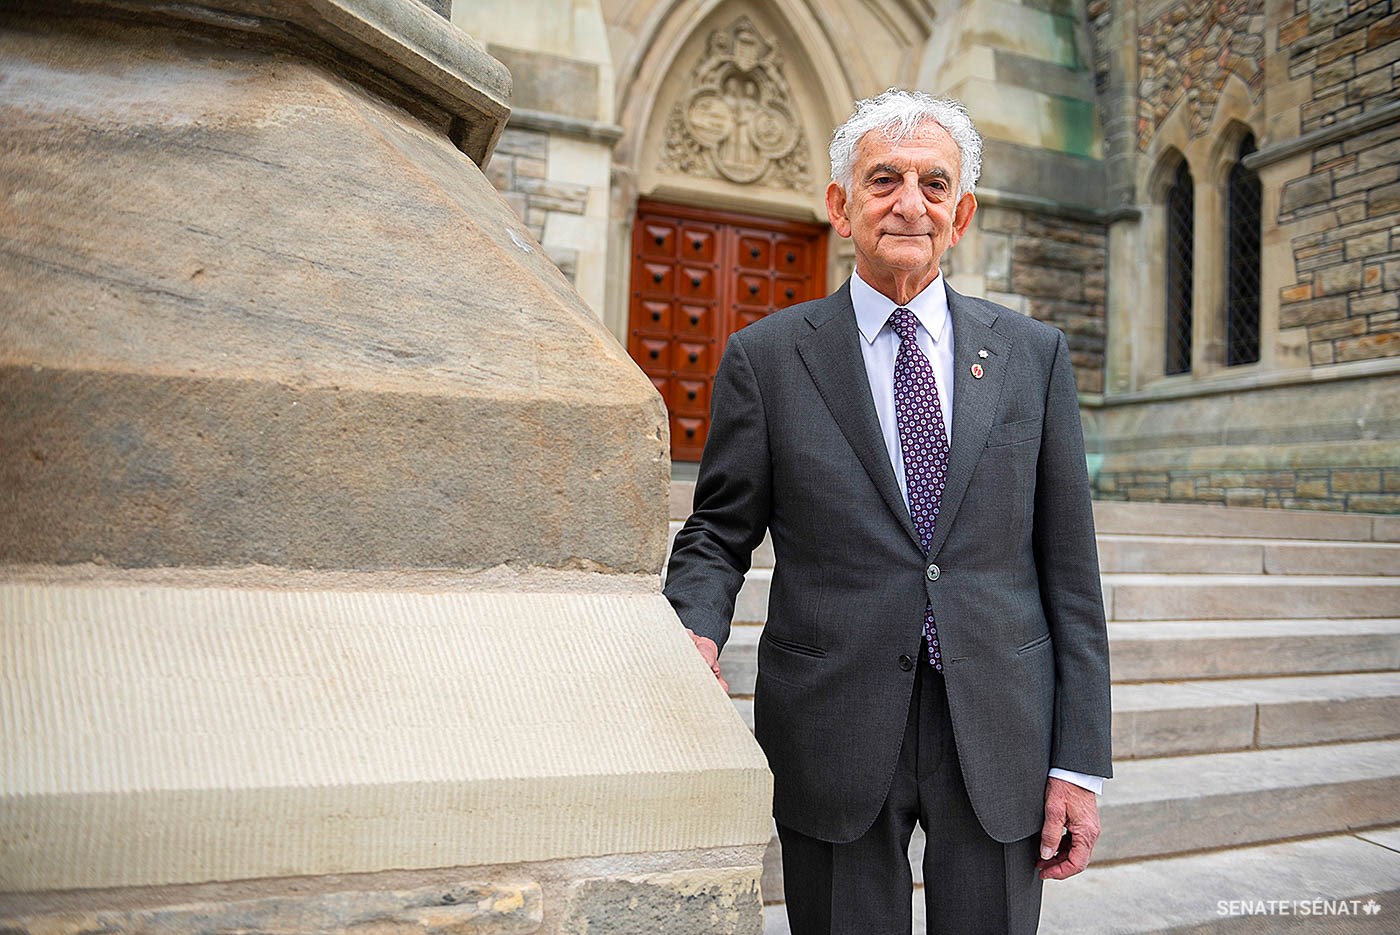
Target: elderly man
[935, 650]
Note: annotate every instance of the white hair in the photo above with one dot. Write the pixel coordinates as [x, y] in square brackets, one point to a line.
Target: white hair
[898, 114]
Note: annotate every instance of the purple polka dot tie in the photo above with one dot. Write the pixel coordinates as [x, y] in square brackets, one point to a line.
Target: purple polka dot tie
[922, 443]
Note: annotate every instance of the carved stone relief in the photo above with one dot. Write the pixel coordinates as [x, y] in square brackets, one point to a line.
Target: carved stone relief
[737, 119]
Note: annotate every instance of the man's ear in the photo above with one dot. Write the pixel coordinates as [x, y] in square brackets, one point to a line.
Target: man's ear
[962, 216]
[836, 210]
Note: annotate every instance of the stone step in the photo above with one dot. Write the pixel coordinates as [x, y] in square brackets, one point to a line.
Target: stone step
[762, 556]
[751, 603]
[1186, 519]
[1208, 556]
[1131, 598]
[1211, 556]
[1335, 558]
[1355, 876]
[1217, 715]
[1177, 650]
[1155, 650]
[739, 661]
[1174, 805]
[1248, 597]
[1175, 718]
[1348, 884]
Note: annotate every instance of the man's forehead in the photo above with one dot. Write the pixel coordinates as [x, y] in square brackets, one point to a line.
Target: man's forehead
[928, 141]
[928, 132]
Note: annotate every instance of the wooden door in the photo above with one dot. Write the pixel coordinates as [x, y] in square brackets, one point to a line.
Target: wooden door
[697, 277]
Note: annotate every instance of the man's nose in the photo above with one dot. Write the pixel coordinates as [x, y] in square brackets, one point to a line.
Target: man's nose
[909, 204]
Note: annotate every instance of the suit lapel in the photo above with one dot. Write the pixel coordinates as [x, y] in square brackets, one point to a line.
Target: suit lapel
[974, 399]
[831, 352]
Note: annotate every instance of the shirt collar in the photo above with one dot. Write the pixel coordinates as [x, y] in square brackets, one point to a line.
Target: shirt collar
[873, 310]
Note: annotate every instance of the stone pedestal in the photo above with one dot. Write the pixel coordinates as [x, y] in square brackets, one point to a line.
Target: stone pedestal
[331, 519]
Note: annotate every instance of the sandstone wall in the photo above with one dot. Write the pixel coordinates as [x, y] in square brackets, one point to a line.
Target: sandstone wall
[332, 519]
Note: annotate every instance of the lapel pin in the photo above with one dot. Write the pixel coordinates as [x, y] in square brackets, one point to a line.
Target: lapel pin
[977, 371]
[982, 353]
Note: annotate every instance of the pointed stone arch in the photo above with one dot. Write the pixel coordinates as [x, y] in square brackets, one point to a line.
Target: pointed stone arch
[665, 48]
[1170, 145]
[670, 45]
[1237, 114]
[1160, 177]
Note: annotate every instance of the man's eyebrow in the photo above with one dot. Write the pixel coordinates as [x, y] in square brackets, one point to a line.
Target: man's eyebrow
[885, 168]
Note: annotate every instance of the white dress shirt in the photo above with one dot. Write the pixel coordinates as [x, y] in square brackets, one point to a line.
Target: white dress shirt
[880, 346]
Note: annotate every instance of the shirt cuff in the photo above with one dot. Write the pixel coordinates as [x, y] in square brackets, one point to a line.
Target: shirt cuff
[1093, 783]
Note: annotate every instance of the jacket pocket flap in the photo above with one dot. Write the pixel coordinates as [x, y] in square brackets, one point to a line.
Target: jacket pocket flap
[1008, 433]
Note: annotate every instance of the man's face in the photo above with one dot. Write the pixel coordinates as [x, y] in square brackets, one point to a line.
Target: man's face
[903, 211]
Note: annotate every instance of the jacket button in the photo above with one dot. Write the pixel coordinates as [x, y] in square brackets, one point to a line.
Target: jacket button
[905, 662]
[933, 572]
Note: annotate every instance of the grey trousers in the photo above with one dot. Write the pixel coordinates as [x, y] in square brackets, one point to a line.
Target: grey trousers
[972, 884]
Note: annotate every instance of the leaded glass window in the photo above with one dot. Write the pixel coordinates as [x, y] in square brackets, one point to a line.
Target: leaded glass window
[1242, 290]
[1181, 225]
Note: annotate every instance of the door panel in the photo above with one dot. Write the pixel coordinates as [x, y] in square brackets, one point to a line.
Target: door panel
[694, 319]
[697, 277]
[699, 244]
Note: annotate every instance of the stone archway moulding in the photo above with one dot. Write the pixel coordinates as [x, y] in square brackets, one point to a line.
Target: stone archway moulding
[667, 32]
[1236, 114]
[1206, 153]
[1170, 143]
[658, 49]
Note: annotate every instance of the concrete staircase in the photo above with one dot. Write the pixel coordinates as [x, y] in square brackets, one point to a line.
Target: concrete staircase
[1256, 723]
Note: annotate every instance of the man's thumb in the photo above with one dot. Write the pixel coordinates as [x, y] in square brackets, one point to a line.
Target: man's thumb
[1051, 833]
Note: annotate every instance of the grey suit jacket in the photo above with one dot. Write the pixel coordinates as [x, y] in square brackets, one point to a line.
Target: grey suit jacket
[795, 448]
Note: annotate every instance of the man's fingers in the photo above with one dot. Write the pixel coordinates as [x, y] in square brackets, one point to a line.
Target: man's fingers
[1053, 829]
[1068, 864]
[1067, 806]
[710, 653]
[1078, 857]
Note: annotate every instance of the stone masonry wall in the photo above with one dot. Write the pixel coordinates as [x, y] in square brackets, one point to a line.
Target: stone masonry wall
[1343, 217]
[1189, 51]
[1349, 50]
[519, 171]
[1364, 490]
[1053, 269]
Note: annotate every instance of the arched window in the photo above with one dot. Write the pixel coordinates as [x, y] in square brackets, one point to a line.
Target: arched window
[1242, 315]
[1181, 225]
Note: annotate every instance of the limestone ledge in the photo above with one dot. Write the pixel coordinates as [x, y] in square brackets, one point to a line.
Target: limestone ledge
[512, 577]
[164, 733]
[1375, 454]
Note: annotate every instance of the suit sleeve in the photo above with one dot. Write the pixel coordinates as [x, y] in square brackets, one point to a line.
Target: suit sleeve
[732, 500]
[1067, 564]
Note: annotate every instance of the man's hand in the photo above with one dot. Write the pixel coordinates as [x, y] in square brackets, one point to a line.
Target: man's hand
[1067, 808]
[710, 653]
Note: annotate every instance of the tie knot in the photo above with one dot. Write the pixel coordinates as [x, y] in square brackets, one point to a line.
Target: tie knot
[903, 322]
